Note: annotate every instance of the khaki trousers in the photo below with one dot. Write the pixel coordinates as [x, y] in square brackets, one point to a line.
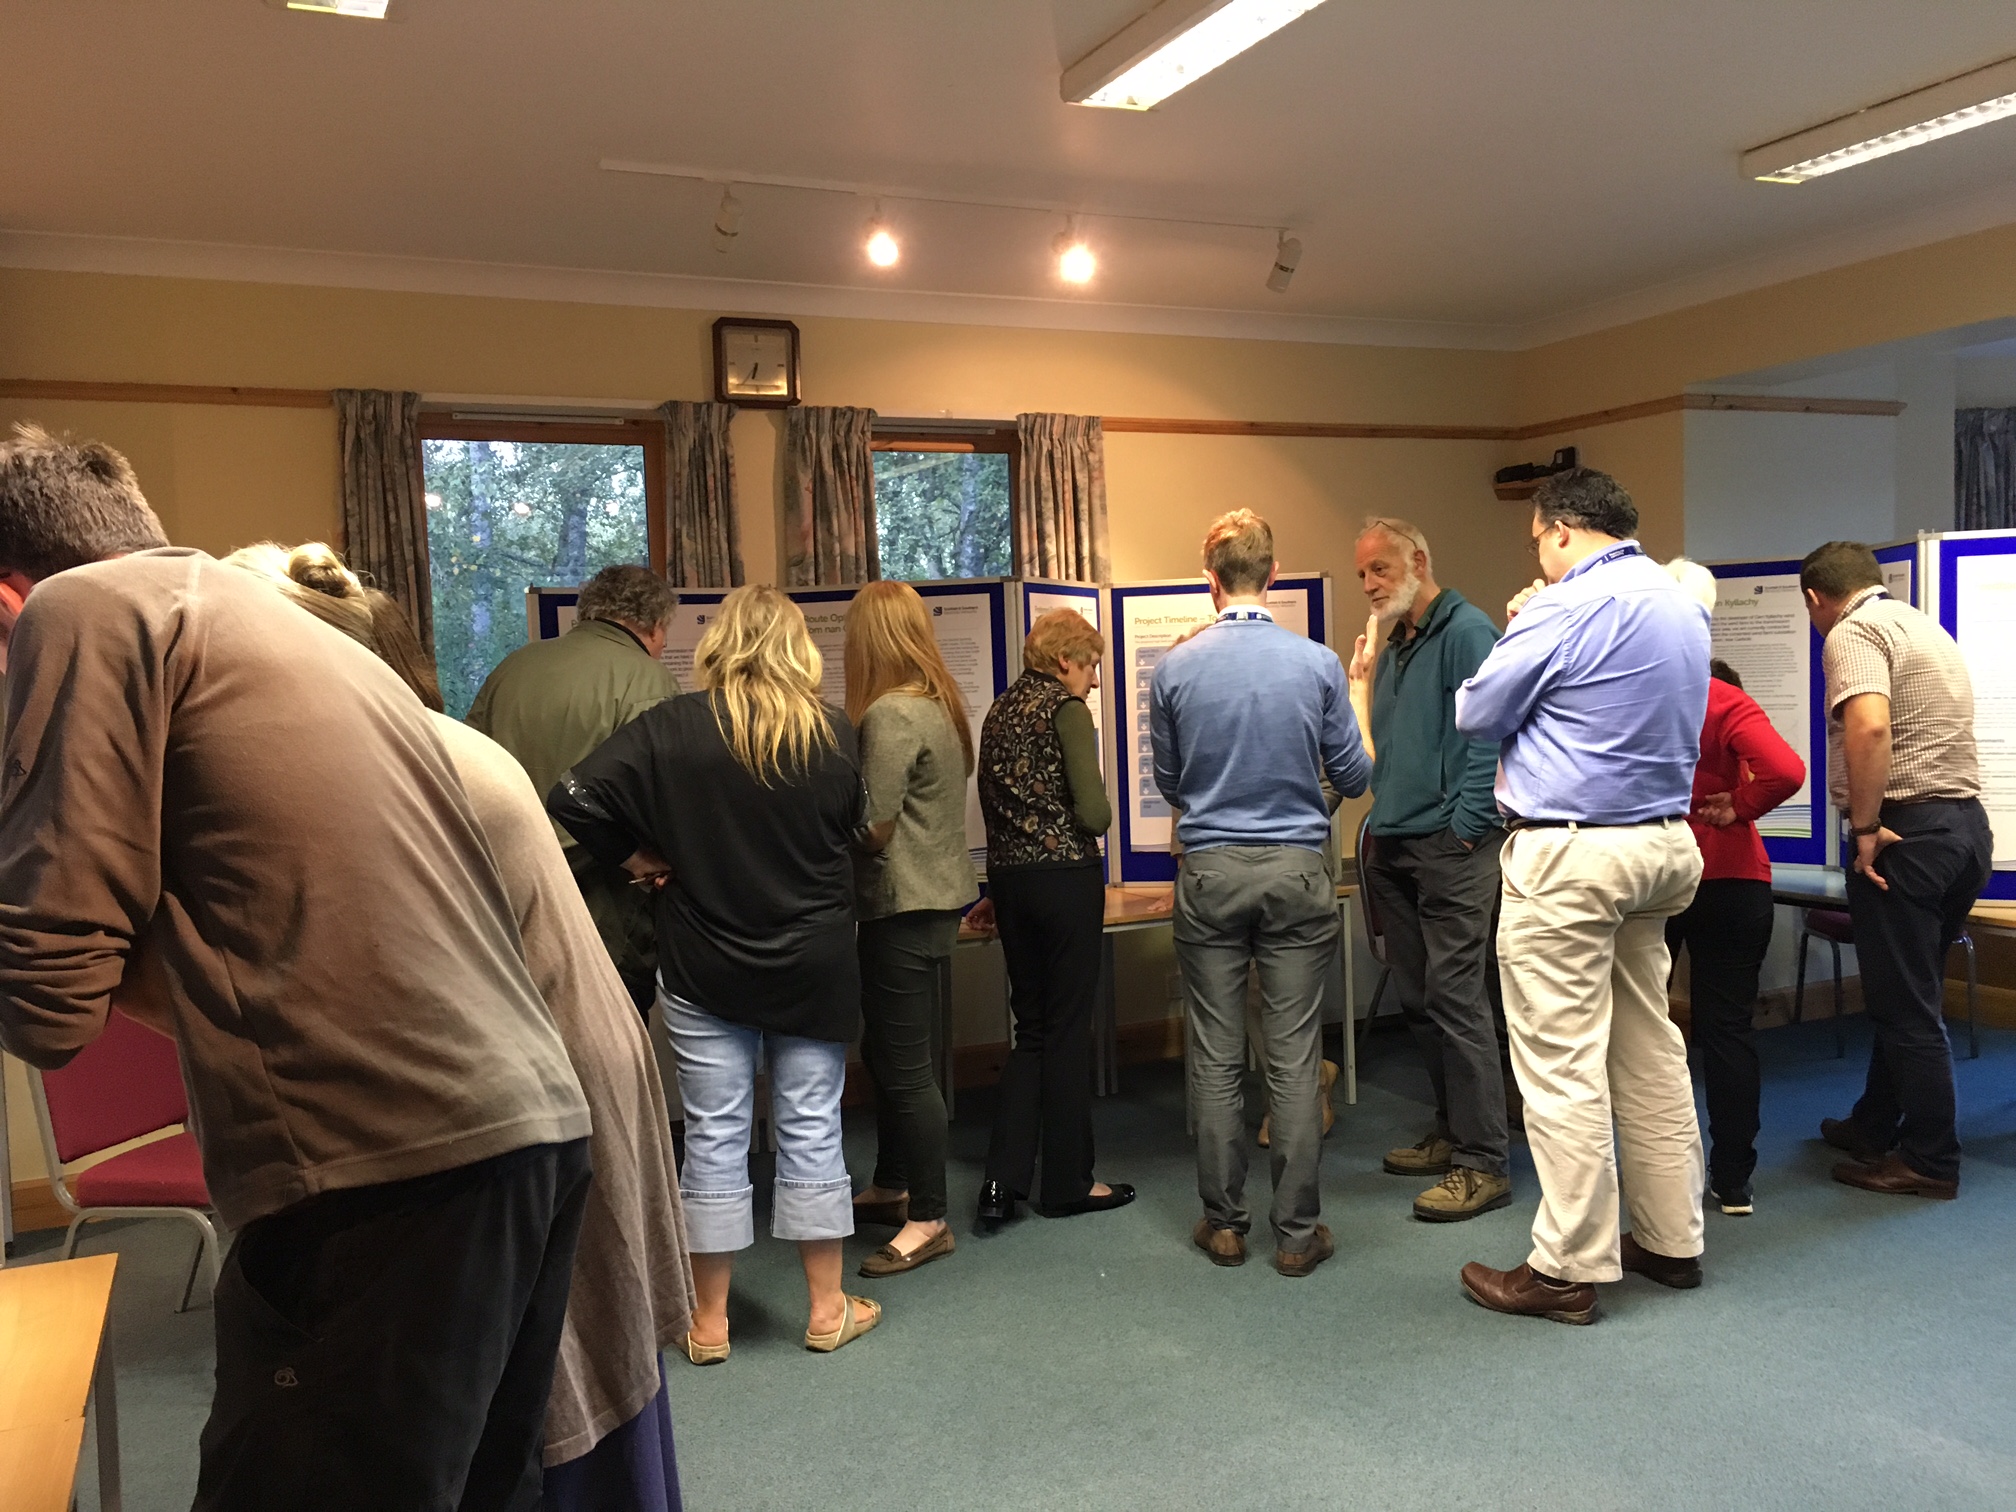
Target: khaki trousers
[1582, 955]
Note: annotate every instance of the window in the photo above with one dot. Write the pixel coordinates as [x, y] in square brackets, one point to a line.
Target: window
[943, 505]
[511, 504]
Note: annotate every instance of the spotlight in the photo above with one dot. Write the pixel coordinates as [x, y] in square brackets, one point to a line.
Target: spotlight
[1075, 262]
[727, 220]
[1287, 253]
[882, 247]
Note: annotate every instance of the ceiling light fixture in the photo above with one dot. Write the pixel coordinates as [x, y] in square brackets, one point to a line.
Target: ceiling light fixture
[1075, 262]
[727, 220]
[1287, 253]
[1176, 43]
[366, 10]
[882, 247]
[1908, 120]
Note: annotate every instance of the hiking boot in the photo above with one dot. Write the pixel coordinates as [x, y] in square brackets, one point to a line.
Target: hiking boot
[1428, 1157]
[1463, 1193]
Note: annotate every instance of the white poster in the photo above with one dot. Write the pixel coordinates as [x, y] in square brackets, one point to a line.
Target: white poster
[827, 622]
[1150, 624]
[964, 626]
[1761, 630]
[1040, 602]
[1985, 625]
[1897, 580]
[682, 637]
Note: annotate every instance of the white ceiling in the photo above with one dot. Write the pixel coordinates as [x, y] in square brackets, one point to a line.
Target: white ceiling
[1458, 170]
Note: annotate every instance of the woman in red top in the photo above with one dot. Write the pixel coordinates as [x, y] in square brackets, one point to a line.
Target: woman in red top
[1746, 771]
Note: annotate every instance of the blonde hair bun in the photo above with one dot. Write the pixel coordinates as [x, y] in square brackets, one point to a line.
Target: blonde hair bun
[314, 564]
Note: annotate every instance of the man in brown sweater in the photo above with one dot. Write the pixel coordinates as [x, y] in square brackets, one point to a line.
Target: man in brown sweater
[240, 825]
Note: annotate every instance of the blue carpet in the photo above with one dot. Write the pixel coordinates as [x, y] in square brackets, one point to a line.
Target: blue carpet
[1846, 1351]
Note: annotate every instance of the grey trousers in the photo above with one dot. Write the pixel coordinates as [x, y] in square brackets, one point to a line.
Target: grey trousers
[1437, 903]
[1274, 906]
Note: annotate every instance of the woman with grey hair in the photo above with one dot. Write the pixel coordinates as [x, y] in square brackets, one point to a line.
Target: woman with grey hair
[1746, 771]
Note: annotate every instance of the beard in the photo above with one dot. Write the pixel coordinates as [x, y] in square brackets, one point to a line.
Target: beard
[1400, 599]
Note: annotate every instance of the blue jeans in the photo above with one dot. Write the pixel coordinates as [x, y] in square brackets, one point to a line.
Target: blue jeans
[717, 1082]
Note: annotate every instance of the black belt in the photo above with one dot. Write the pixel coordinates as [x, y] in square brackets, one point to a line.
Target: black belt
[1514, 822]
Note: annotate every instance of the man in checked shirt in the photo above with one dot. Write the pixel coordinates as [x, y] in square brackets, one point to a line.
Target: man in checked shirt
[1901, 765]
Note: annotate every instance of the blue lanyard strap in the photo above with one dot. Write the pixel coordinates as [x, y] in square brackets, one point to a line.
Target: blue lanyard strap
[1235, 615]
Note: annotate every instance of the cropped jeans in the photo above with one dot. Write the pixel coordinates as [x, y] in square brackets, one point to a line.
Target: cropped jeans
[717, 1060]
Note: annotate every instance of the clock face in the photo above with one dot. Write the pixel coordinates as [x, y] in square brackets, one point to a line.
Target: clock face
[756, 362]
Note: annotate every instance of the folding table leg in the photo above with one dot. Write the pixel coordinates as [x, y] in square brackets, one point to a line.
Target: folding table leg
[105, 1403]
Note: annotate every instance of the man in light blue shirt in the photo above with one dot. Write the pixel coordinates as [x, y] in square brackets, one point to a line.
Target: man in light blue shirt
[1246, 720]
[1596, 692]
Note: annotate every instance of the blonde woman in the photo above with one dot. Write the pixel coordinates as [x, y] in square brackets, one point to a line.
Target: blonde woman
[608, 1421]
[740, 803]
[913, 876]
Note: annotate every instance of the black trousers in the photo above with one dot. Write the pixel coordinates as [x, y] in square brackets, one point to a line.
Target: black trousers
[1050, 920]
[1437, 903]
[392, 1346]
[900, 1029]
[1936, 870]
[1726, 929]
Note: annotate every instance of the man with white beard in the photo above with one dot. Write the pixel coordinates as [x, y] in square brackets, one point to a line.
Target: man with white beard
[1431, 867]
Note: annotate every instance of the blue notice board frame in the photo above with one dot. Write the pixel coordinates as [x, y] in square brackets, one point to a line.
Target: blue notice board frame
[543, 606]
[1951, 550]
[1790, 849]
[1158, 865]
[1904, 551]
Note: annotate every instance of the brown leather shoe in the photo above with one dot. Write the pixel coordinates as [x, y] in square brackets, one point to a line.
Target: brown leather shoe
[1891, 1175]
[1667, 1270]
[1525, 1293]
[1842, 1134]
[1224, 1246]
[890, 1261]
[1301, 1262]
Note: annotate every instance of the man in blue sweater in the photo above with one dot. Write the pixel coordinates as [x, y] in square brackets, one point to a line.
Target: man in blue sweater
[1246, 720]
[1430, 866]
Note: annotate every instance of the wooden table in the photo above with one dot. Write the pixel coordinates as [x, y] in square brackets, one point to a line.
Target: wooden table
[1130, 908]
[55, 1355]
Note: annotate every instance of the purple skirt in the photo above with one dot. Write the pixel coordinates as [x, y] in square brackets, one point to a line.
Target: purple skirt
[632, 1470]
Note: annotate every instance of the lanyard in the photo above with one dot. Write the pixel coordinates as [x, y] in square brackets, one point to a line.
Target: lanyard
[1629, 548]
[1234, 616]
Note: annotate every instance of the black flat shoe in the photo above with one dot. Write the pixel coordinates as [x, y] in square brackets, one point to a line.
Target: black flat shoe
[997, 1203]
[1120, 1195]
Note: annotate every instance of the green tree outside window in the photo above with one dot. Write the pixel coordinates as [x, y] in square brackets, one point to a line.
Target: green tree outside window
[504, 515]
[942, 514]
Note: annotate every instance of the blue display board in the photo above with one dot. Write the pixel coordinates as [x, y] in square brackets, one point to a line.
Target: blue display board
[1974, 598]
[1147, 618]
[1762, 631]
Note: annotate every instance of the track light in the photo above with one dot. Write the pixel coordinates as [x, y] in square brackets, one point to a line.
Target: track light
[1287, 253]
[882, 247]
[1075, 262]
[727, 220]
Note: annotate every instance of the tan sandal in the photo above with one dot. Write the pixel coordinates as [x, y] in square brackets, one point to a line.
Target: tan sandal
[852, 1324]
[704, 1354]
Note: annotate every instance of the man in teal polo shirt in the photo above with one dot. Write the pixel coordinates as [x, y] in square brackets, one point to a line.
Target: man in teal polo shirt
[1432, 868]
[551, 702]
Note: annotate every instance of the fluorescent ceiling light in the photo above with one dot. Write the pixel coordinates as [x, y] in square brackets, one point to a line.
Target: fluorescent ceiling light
[369, 10]
[1176, 43]
[1909, 120]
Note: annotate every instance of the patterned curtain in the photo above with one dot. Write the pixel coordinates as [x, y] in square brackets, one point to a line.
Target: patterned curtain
[829, 495]
[1984, 469]
[1060, 499]
[384, 498]
[703, 533]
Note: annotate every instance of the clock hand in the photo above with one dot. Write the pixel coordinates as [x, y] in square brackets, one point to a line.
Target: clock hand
[753, 369]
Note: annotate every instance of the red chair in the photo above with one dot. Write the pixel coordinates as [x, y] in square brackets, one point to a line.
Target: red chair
[125, 1084]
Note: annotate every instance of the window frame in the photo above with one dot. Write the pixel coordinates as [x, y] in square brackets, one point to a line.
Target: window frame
[442, 425]
[977, 436]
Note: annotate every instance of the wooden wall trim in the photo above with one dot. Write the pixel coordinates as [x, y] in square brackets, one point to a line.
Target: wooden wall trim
[163, 393]
[290, 398]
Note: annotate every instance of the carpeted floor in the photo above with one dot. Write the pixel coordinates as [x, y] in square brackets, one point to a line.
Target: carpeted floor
[1847, 1351]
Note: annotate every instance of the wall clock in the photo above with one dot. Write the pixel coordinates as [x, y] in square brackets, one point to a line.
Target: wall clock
[755, 362]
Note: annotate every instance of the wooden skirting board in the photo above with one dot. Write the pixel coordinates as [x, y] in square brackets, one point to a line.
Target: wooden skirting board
[295, 398]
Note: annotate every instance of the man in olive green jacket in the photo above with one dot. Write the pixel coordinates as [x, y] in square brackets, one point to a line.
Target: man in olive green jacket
[551, 702]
